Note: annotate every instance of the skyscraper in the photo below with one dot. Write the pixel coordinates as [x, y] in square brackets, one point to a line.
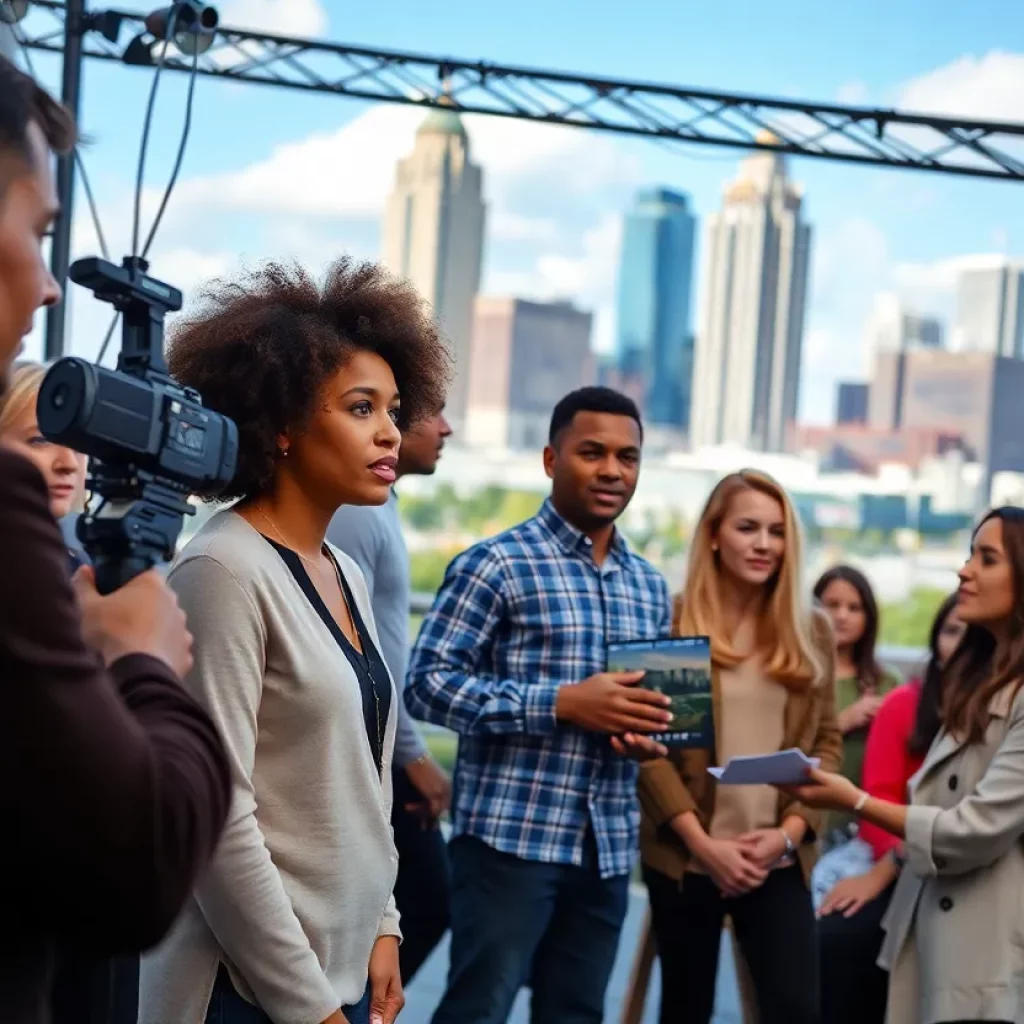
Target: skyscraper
[895, 327]
[654, 345]
[746, 375]
[434, 230]
[990, 310]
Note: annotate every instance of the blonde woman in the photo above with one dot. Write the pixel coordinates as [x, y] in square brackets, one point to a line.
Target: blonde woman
[62, 469]
[743, 852]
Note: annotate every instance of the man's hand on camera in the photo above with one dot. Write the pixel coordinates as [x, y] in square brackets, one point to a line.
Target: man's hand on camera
[142, 617]
[612, 702]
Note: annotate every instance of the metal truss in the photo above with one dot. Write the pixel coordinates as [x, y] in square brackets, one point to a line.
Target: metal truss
[864, 135]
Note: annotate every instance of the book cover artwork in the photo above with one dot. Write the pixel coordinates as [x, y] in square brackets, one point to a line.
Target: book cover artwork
[680, 668]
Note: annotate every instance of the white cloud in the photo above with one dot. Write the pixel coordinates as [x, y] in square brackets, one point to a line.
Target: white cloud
[586, 276]
[508, 226]
[985, 87]
[349, 172]
[302, 18]
[941, 275]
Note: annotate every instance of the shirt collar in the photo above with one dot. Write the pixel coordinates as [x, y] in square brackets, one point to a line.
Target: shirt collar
[573, 539]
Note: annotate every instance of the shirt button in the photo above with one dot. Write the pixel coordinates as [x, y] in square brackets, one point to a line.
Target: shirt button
[945, 903]
[953, 782]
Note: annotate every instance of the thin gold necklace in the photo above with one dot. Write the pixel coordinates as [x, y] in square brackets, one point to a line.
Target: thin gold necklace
[284, 540]
[362, 657]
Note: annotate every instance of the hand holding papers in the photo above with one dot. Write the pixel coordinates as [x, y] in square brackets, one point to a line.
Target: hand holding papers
[786, 768]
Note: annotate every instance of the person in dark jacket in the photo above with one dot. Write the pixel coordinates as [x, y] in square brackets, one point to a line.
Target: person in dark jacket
[115, 783]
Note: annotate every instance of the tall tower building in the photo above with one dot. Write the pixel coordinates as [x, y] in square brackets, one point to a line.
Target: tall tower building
[433, 234]
[746, 375]
[654, 345]
[990, 310]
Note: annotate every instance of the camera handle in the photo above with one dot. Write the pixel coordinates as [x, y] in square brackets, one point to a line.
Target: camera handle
[134, 528]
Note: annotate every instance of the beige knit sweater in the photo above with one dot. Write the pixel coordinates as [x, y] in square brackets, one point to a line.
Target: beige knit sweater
[301, 885]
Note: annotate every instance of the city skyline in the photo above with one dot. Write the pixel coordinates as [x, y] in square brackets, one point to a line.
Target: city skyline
[273, 173]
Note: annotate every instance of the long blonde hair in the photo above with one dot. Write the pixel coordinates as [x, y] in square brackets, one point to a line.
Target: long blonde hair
[25, 382]
[786, 633]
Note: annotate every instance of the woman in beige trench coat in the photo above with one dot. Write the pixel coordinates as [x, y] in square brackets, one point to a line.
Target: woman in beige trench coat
[955, 926]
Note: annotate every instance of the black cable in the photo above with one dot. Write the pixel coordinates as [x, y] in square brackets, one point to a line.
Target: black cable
[147, 125]
[181, 152]
[79, 163]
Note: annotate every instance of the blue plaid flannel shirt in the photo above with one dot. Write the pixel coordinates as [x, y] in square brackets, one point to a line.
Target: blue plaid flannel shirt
[517, 617]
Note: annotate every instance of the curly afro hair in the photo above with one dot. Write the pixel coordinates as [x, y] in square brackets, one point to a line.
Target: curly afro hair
[260, 349]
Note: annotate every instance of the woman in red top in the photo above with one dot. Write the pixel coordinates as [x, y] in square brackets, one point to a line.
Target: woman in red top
[853, 986]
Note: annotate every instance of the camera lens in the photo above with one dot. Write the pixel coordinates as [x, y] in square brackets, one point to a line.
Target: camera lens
[60, 396]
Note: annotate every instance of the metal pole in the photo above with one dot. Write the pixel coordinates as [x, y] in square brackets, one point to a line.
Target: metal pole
[60, 254]
[8, 45]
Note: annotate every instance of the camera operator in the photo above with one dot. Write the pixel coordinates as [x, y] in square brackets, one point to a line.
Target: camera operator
[115, 783]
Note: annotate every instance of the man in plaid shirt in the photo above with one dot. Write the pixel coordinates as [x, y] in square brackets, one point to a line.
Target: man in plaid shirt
[511, 657]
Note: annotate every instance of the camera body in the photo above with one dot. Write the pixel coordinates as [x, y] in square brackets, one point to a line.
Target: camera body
[150, 441]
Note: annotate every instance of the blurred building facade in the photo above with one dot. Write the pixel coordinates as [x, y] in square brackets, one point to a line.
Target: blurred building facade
[524, 357]
[990, 310]
[851, 402]
[974, 395]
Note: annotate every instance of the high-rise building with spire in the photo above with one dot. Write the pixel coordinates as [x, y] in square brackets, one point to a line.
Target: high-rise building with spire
[433, 234]
[746, 375]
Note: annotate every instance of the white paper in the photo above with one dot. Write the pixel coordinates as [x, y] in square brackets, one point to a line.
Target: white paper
[786, 768]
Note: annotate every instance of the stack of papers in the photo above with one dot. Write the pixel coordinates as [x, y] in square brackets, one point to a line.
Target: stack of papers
[786, 768]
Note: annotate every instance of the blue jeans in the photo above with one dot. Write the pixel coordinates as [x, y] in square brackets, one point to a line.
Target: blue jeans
[515, 922]
[228, 1007]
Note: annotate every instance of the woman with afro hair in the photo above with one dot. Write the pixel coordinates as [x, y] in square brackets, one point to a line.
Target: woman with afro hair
[295, 919]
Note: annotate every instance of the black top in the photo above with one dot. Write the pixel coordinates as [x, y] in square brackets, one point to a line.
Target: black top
[369, 667]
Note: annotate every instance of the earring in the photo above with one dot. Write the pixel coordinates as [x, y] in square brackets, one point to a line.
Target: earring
[283, 452]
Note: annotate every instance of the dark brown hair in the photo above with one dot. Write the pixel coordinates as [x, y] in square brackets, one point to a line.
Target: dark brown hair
[975, 674]
[928, 718]
[24, 102]
[869, 672]
[260, 349]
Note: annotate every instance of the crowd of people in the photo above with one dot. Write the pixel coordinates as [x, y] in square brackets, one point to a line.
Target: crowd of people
[221, 770]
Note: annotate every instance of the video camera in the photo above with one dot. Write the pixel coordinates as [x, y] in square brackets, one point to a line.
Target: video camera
[150, 441]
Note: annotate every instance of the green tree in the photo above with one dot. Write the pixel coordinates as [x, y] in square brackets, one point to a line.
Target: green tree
[517, 506]
[423, 514]
[907, 623]
[426, 569]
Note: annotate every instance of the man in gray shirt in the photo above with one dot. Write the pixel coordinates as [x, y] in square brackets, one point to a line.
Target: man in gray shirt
[372, 536]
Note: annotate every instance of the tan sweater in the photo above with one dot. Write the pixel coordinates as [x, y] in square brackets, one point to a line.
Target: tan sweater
[301, 885]
[752, 722]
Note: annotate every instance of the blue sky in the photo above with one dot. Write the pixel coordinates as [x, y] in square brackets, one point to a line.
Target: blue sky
[275, 172]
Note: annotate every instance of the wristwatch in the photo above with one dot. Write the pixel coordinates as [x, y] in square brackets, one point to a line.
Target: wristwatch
[790, 845]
